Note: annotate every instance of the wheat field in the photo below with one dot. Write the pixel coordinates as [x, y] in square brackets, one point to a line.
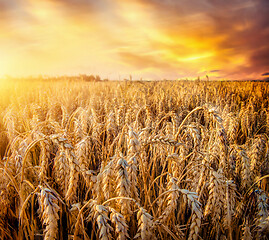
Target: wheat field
[134, 160]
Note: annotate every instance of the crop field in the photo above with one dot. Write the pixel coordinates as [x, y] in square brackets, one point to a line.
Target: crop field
[134, 160]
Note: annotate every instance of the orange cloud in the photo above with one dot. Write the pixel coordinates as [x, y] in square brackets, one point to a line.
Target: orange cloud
[111, 37]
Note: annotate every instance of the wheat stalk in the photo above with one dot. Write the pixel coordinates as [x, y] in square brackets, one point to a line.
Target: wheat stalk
[49, 210]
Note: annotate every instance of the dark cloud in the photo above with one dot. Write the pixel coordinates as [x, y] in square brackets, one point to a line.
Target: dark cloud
[265, 74]
[260, 57]
[180, 7]
[6, 8]
[216, 70]
[79, 7]
[8, 5]
[75, 8]
[246, 27]
[75, 3]
[243, 25]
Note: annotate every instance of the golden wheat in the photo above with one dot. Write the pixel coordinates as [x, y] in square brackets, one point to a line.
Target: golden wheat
[134, 160]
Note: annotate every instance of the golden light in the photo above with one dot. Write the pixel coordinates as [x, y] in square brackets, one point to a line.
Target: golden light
[196, 57]
[2, 66]
[124, 37]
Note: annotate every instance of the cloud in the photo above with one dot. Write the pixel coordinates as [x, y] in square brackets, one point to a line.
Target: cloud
[7, 8]
[183, 7]
[75, 5]
[186, 36]
[7, 5]
[245, 25]
[143, 61]
[265, 74]
[80, 8]
[240, 28]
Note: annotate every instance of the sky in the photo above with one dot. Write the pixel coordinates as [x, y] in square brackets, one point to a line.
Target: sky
[148, 39]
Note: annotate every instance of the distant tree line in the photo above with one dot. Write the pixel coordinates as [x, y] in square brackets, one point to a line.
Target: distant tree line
[81, 77]
[90, 78]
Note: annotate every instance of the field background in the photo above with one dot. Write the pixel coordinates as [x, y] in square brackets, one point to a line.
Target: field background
[124, 160]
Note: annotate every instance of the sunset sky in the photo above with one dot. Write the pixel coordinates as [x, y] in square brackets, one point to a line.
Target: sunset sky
[149, 39]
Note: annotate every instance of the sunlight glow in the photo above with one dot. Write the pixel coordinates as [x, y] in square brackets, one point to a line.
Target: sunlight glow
[194, 58]
[150, 39]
